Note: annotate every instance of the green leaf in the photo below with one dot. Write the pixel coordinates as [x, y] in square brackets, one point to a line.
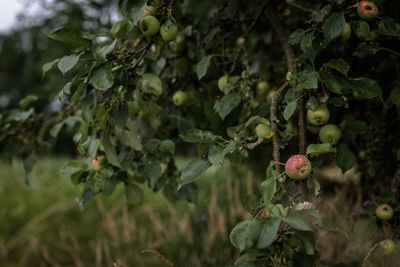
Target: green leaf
[339, 64]
[67, 63]
[198, 136]
[366, 88]
[318, 149]
[102, 77]
[48, 66]
[202, 66]
[122, 26]
[109, 149]
[268, 233]
[333, 82]
[132, 9]
[395, 96]
[106, 49]
[216, 154]
[152, 170]
[345, 158]
[130, 138]
[361, 29]
[72, 38]
[389, 27]
[73, 169]
[27, 100]
[151, 84]
[134, 194]
[306, 79]
[245, 231]
[303, 220]
[333, 26]
[290, 109]
[318, 15]
[193, 171]
[227, 104]
[268, 186]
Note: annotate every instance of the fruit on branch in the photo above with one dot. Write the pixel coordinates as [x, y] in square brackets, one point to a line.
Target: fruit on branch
[367, 9]
[346, 33]
[223, 83]
[179, 98]
[329, 134]
[319, 116]
[262, 87]
[97, 162]
[298, 167]
[388, 247]
[149, 26]
[178, 45]
[169, 31]
[149, 11]
[384, 212]
[263, 130]
[167, 146]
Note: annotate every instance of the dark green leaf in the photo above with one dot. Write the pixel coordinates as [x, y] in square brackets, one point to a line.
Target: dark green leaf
[67, 63]
[193, 171]
[303, 220]
[339, 64]
[389, 27]
[72, 38]
[198, 136]
[245, 231]
[361, 29]
[306, 79]
[106, 49]
[151, 84]
[395, 96]
[48, 66]
[290, 109]
[318, 149]
[268, 233]
[109, 149]
[268, 186]
[366, 88]
[345, 158]
[227, 104]
[333, 26]
[102, 77]
[202, 66]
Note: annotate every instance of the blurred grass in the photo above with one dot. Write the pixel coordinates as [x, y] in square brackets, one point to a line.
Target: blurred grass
[41, 224]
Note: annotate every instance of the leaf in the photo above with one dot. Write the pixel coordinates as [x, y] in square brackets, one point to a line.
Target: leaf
[389, 27]
[73, 169]
[106, 49]
[306, 79]
[303, 220]
[130, 138]
[27, 100]
[345, 158]
[124, 26]
[319, 14]
[134, 194]
[102, 77]
[193, 170]
[72, 38]
[333, 26]
[227, 104]
[198, 136]
[151, 84]
[202, 66]
[268, 233]
[109, 149]
[361, 29]
[244, 231]
[334, 83]
[67, 63]
[216, 154]
[289, 110]
[268, 186]
[339, 64]
[48, 66]
[132, 9]
[395, 96]
[366, 88]
[318, 149]
[152, 170]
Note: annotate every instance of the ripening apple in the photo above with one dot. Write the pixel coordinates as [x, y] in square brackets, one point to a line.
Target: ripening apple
[180, 98]
[149, 26]
[263, 130]
[319, 116]
[388, 247]
[367, 9]
[298, 167]
[223, 83]
[97, 162]
[330, 134]
[384, 212]
[169, 31]
[346, 33]
[262, 87]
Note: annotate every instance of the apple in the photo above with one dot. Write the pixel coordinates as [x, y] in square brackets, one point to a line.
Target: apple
[298, 167]
[263, 130]
[367, 9]
[223, 83]
[167, 146]
[149, 26]
[262, 87]
[149, 11]
[179, 98]
[346, 33]
[179, 44]
[388, 247]
[240, 41]
[169, 31]
[319, 116]
[329, 134]
[97, 162]
[384, 212]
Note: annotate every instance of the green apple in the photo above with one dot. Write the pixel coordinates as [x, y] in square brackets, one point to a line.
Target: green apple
[262, 87]
[149, 26]
[263, 130]
[367, 9]
[319, 116]
[346, 33]
[223, 83]
[179, 44]
[149, 11]
[180, 98]
[384, 212]
[329, 134]
[388, 247]
[169, 31]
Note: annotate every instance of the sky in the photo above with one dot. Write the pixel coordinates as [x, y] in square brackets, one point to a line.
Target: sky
[8, 11]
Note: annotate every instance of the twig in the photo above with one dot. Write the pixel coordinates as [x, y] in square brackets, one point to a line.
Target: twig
[369, 254]
[159, 255]
[144, 50]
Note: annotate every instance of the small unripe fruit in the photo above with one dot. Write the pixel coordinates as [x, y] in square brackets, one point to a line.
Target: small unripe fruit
[367, 9]
[179, 98]
[330, 134]
[263, 130]
[388, 247]
[169, 31]
[384, 212]
[223, 83]
[149, 11]
[179, 44]
[346, 33]
[149, 26]
[298, 167]
[319, 116]
[262, 87]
